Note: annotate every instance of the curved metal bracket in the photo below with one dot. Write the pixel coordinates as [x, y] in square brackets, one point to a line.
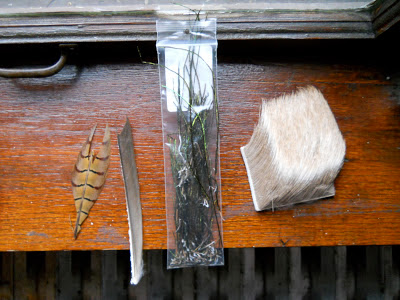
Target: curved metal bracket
[40, 72]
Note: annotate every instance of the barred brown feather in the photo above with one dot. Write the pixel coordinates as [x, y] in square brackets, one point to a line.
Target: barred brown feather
[89, 175]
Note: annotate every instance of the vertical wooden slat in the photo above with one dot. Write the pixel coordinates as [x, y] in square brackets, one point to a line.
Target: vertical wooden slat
[327, 273]
[352, 272]
[160, 279]
[6, 275]
[123, 274]
[109, 274]
[139, 291]
[189, 286]
[357, 262]
[280, 286]
[184, 283]
[50, 275]
[222, 276]
[390, 276]
[248, 274]
[92, 277]
[207, 282]
[85, 275]
[396, 270]
[77, 267]
[373, 271]
[266, 265]
[230, 275]
[370, 272]
[36, 271]
[64, 278]
[177, 282]
[24, 287]
[112, 287]
[96, 274]
[19, 275]
[311, 266]
[81, 265]
[340, 270]
[68, 283]
[298, 284]
[258, 276]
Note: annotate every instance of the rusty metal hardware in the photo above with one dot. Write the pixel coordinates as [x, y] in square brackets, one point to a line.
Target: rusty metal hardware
[40, 72]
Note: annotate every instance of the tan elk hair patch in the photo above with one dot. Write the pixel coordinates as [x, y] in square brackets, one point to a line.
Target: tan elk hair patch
[296, 150]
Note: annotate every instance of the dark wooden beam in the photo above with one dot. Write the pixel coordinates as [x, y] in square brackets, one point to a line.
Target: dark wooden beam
[232, 25]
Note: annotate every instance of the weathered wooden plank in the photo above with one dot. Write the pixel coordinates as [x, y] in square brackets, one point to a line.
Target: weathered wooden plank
[140, 291]
[351, 270]
[298, 285]
[109, 274]
[390, 275]
[36, 270]
[253, 21]
[6, 275]
[229, 275]
[341, 274]
[396, 270]
[266, 266]
[357, 259]
[373, 273]
[158, 276]
[24, 284]
[21, 7]
[259, 275]
[327, 274]
[92, 275]
[281, 280]
[185, 285]
[206, 284]
[384, 15]
[248, 282]
[68, 277]
[311, 258]
[112, 286]
[50, 275]
[298, 273]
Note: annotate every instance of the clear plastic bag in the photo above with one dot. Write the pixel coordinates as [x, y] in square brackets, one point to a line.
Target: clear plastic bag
[187, 65]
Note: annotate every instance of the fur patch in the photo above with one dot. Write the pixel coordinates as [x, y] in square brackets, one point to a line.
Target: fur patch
[296, 150]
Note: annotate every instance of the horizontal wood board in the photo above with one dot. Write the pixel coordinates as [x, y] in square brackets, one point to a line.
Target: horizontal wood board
[45, 121]
[141, 26]
[244, 21]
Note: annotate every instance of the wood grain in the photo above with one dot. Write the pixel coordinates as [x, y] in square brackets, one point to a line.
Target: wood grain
[44, 122]
[234, 22]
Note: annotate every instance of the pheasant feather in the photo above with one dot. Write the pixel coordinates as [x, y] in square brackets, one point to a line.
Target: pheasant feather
[89, 176]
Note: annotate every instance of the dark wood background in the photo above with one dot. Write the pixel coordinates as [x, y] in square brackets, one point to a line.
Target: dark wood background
[45, 121]
[354, 272]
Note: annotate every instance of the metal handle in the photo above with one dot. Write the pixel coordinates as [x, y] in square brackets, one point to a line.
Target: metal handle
[40, 72]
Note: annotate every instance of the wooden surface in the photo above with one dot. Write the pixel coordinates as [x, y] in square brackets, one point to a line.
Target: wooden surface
[339, 272]
[236, 24]
[45, 121]
[244, 21]
[236, 21]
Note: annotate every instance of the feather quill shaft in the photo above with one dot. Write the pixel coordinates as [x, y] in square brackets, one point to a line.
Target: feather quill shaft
[132, 193]
[88, 176]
